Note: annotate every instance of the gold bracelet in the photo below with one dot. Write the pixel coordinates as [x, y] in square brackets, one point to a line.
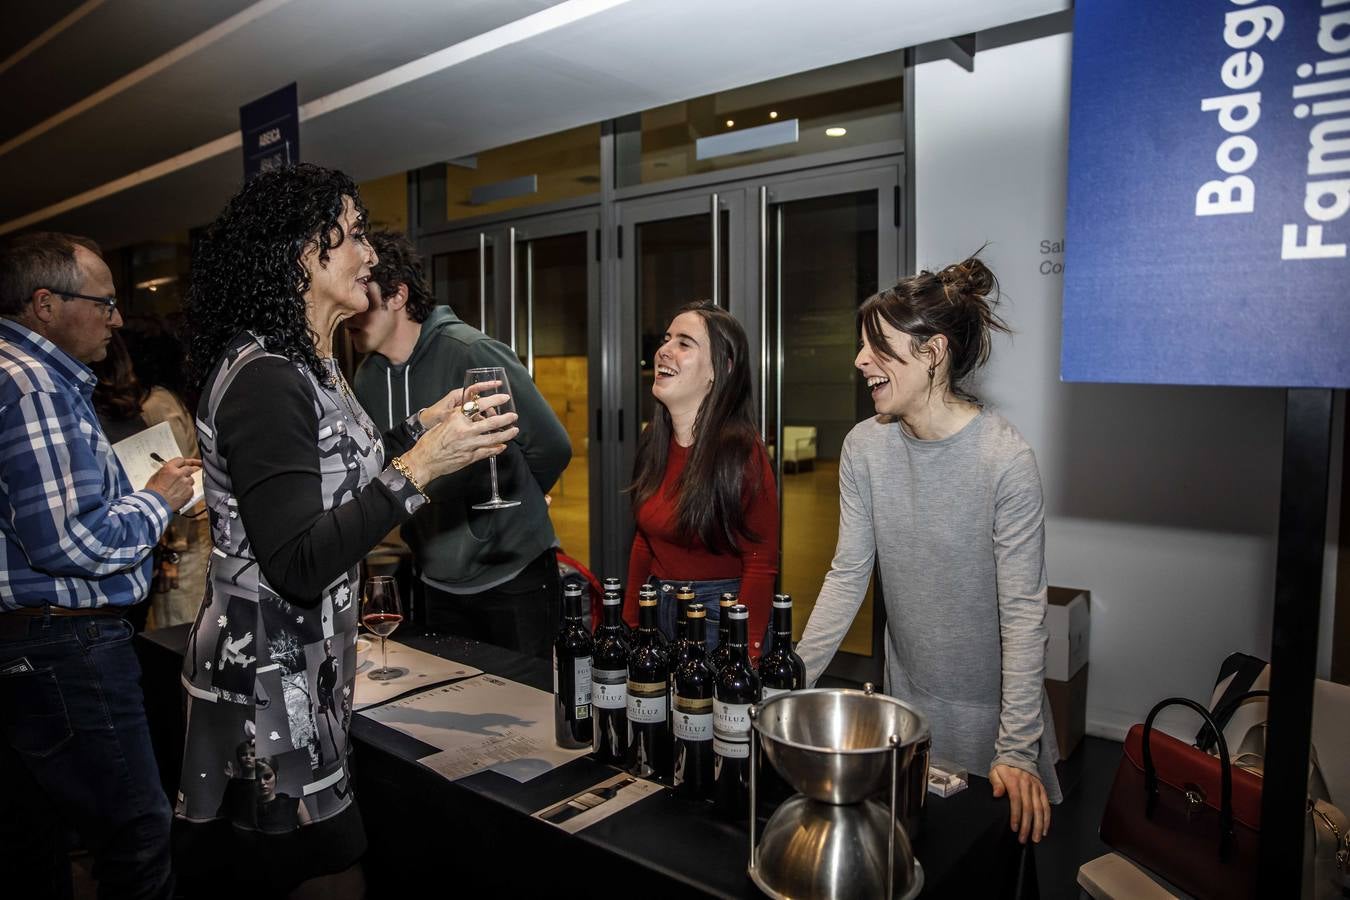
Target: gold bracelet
[402, 468]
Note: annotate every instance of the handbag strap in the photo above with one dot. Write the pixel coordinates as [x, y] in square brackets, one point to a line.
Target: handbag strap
[1221, 716]
[1225, 771]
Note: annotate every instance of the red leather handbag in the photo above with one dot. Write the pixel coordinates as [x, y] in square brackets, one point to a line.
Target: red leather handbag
[1190, 817]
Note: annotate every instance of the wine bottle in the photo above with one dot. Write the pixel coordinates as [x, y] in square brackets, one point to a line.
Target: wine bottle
[573, 725]
[649, 746]
[721, 653]
[679, 648]
[692, 715]
[609, 683]
[734, 691]
[613, 585]
[780, 668]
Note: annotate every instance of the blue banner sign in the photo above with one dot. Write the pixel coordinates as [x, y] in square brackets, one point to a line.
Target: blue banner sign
[1209, 185]
[271, 128]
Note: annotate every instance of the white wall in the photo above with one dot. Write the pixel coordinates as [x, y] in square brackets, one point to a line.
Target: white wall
[1163, 501]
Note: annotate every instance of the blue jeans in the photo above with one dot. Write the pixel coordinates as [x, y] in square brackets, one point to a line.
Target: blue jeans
[75, 754]
[706, 592]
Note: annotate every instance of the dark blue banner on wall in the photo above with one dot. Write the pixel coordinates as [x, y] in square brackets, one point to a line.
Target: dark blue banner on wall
[271, 128]
[1209, 186]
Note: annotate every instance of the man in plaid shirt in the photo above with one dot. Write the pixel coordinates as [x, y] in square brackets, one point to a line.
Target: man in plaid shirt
[75, 553]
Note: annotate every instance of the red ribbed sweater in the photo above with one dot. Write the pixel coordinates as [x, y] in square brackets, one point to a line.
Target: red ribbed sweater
[659, 550]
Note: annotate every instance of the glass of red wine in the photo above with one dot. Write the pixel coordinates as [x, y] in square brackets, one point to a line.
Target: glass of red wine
[381, 613]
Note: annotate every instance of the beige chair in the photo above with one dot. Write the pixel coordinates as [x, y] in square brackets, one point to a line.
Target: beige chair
[799, 446]
[1113, 877]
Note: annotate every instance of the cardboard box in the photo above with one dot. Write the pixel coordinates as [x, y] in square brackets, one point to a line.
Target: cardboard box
[1066, 619]
[1068, 707]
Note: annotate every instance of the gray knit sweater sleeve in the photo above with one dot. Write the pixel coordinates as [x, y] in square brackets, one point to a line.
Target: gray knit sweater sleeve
[846, 583]
[1019, 561]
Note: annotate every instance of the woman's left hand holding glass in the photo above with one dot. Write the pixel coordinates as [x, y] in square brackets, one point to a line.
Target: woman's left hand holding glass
[460, 440]
[454, 402]
[1030, 806]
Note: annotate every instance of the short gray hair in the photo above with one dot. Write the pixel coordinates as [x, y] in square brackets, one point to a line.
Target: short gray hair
[39, 259]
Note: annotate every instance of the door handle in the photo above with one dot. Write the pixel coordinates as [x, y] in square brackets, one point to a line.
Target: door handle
[511, 282]
[716, 252]
[482, 282]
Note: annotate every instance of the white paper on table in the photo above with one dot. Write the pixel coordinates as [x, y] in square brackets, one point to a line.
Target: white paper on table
[584, 809]
[134, 454]
[481, 723]
[423, 670]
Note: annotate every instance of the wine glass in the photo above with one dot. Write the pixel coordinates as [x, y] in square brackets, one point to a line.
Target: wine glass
[471, 378]
[381, 613]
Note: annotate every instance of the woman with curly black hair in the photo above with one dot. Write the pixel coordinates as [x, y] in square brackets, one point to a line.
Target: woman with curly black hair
[300, 486]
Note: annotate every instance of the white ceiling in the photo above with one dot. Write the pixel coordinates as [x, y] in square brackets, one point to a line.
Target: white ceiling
[383, 88]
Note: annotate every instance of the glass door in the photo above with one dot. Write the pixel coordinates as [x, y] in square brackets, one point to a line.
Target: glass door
[534, 284]
[460, 267]
[553, 301]
[828, 243]
[667, 259]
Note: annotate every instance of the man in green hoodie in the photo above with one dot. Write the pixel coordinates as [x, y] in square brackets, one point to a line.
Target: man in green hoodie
[491, 575]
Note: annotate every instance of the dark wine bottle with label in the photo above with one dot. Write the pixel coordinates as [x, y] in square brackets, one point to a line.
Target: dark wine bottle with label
[721, 653]
[735, 690]
[679, 648]
[692, 715]
[649, 749]
[609, 683]
[615, 586]
[780, 668]
[573, 725]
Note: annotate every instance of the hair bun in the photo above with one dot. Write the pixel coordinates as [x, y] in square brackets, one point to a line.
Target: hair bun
[970, 276]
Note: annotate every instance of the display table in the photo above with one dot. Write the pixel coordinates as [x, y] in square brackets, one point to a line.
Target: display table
[476, 836]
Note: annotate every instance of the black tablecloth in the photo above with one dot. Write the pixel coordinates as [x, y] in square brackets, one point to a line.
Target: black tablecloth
[476, 835]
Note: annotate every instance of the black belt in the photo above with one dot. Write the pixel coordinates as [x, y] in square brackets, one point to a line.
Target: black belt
[16, 622]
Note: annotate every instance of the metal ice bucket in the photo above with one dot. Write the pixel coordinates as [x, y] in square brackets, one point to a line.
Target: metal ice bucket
[839, 748]
[834, 745]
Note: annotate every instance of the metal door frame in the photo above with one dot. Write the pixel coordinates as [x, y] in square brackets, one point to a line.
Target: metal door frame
[629, 214]
[509, 235]
[886, 180]
[436, 245]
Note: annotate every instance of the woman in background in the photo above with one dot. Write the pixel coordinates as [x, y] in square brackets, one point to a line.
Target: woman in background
[704, 497]
[126, 404]
[944, 497]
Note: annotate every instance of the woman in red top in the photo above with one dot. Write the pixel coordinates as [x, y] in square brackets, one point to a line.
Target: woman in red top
[703, 491]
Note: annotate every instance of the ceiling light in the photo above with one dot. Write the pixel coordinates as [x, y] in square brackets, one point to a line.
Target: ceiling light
[731, 123]
[773, 114]
[152, 283]
[836, 131]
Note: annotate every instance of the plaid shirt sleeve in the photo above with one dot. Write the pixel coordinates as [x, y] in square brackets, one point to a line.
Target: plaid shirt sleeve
[59, 508]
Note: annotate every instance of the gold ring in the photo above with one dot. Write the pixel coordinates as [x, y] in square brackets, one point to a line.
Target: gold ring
[471, 408]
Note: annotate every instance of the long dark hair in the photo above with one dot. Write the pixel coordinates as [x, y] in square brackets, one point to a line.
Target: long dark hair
[709, 504]
[955, 302]
[119, 394]
[247, 274]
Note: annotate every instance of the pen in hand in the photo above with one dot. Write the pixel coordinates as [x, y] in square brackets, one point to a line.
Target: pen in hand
[157, 458]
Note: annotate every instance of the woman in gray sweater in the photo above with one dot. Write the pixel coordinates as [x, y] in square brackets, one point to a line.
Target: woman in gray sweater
[944, 497]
